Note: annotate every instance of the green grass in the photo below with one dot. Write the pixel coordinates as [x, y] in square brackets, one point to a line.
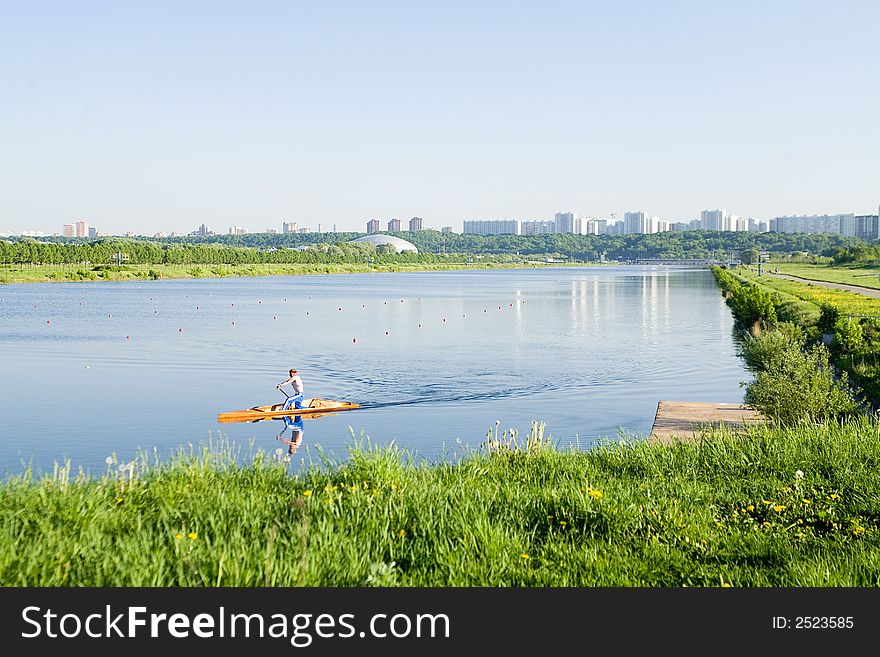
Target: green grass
[68, 273]
[861, 275]
[849, 303]
[726, 510]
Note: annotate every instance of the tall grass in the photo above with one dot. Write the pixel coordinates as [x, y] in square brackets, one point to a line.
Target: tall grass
[772, 507]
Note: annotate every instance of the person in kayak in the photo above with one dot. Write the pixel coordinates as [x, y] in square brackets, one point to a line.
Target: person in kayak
[297, 385]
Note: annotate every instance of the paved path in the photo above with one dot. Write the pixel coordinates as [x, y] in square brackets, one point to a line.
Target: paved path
[866, 291]
[683, 421]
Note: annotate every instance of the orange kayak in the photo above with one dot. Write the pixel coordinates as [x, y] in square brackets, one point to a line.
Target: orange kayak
[311, 408]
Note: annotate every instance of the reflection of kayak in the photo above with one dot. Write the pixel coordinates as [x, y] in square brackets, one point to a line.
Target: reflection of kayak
[311, 408]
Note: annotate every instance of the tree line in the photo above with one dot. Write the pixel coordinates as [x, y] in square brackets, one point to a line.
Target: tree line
[434, 246]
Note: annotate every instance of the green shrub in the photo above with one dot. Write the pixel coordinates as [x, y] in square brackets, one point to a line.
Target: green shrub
[798, 386]
[792, 309]
[828, 318]
[871, 332]
[753, 305]
[848, 337]
[759, 351]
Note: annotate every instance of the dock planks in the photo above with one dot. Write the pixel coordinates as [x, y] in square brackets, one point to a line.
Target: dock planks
[677, 420]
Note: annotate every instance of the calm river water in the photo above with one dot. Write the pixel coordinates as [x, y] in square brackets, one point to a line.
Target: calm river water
[94, 369]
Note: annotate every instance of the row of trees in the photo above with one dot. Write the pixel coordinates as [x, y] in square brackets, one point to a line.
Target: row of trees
[136, 252]
[335, 247]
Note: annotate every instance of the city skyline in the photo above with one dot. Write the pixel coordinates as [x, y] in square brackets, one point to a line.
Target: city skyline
[161, 118]
[865, 225]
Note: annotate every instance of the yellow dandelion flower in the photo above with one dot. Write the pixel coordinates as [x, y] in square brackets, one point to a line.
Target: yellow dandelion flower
[119, 500]
[751, 507]
[525, 556]
[726, 585]
[595, 493]
[779, 507]
[401, 533]
[806, 501]
[767, 502]
[767, 524]
[179, 536]
[307, 493]
[563, 523]
[193, 536]
[835, 496]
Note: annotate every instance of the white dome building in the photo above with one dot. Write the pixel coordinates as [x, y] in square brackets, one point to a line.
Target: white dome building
[376, 239]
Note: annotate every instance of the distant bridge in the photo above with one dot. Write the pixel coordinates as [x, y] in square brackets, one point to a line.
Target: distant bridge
[687, 262]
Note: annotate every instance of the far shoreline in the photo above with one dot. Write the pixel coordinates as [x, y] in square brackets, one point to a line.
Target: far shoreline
[12, 275]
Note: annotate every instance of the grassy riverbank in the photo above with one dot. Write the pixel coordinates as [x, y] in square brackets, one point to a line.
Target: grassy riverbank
[850, 321]
[68, 273]
[776, 507]
[855, 274]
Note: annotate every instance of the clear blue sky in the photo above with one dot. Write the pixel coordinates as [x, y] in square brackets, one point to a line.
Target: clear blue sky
[150, 116]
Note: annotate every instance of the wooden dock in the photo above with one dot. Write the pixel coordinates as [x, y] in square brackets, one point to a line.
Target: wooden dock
[676, 420]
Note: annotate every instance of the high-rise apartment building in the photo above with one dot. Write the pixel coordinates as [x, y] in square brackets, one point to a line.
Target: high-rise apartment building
[289, 227]
[82, 228]
[565, 222]
[491, 227]
[415, 224]
[237, 230]
[868, 226]
[69, 230]
[446, 229]
[93, 232]
[590, 226]
[635, 222]
[372, 226]
[714, 220]
[394, 226]
[537, 227]
[843, 224]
